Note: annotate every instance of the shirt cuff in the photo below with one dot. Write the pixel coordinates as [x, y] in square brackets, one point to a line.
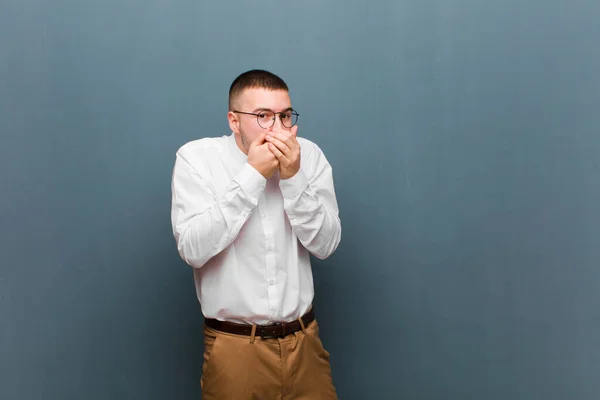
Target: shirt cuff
[294, 186]
[251, 182]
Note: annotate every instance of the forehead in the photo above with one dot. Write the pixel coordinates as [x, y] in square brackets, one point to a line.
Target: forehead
[255, 98]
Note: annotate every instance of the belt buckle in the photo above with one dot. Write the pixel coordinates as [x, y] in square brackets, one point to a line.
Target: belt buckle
[276, 330]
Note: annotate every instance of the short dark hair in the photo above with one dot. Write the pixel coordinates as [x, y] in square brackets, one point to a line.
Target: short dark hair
[256, 78]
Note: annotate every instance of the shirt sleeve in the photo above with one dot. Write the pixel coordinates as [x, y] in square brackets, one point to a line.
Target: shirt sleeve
[310, 203]
[204, 224]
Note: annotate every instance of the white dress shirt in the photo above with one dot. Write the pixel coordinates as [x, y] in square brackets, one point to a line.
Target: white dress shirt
[249, 238]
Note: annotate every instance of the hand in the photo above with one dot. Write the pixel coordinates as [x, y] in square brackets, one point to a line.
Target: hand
[285, 147]
[261, 158]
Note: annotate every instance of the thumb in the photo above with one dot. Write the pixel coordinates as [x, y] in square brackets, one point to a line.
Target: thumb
[260, 139]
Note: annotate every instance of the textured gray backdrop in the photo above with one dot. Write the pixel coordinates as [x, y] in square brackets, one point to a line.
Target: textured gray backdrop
[465, 141]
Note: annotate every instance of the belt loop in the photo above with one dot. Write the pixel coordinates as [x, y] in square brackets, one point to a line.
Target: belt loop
[253, 334]
[302, 325]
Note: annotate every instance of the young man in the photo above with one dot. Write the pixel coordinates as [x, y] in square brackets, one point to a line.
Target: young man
[247, 210]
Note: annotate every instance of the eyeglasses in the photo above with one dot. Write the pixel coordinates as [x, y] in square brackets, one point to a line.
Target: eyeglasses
[266, 118]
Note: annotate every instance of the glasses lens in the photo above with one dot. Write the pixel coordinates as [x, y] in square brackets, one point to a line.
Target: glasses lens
[289, 118]
[265, 119]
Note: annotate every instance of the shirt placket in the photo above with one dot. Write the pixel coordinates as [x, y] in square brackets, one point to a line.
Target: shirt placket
[271, 272]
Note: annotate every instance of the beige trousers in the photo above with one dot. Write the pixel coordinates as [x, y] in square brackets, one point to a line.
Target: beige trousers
[295, 367]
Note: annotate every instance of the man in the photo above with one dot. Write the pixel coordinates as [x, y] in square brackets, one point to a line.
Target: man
[247, 209]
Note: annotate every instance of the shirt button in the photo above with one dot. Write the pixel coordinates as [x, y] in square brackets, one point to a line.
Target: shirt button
[270, 248]
[271, 282]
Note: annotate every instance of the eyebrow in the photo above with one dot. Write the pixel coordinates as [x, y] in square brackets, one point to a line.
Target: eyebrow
[268, 109]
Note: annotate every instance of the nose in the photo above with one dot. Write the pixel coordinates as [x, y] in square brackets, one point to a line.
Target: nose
[278, 123]
[277, 118]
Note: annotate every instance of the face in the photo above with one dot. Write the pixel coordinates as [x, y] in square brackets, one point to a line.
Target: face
[245, 127]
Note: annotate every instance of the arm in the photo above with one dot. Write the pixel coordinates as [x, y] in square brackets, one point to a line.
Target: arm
[203, 223]
[311, 206]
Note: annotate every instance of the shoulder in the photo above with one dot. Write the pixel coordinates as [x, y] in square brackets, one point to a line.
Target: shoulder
[311, 153]
[200, 154]
[203, 150]
[202, 146]
[309, 148]
[313, 160]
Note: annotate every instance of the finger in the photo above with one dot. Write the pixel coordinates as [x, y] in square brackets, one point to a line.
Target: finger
[294, 130]
[277, 153]
[284, 137]
[294, 140]
[284, 148]
[260, 139]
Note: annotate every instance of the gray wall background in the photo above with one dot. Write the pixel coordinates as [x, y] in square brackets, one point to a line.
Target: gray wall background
[464, 137]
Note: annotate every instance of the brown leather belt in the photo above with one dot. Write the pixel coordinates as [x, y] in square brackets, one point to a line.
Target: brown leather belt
[278, 330]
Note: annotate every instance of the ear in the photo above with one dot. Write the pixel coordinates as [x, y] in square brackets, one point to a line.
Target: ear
[234, 122]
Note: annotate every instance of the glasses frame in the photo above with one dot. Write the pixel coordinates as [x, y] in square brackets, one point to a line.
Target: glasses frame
[274, 117]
